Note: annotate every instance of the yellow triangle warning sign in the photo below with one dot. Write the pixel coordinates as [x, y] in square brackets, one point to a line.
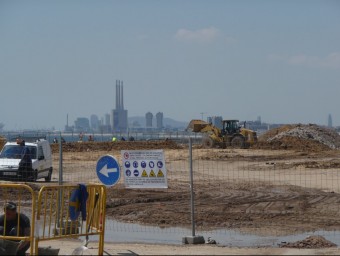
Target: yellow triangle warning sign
[152, 174]
[160, 174]
[144, 174]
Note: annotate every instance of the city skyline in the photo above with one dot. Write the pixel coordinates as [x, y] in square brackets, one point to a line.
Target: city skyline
[238, 59]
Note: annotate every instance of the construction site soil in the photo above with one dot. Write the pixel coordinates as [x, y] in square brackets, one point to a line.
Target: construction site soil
[251, 207]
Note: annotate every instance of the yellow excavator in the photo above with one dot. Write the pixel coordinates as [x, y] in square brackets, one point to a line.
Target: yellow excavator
[231, 134]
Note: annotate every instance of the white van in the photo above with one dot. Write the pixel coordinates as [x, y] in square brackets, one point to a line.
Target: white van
[26, 161]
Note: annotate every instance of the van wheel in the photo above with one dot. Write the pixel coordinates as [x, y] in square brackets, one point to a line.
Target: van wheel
[49, 176]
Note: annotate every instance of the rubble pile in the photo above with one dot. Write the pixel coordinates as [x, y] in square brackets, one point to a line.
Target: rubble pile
[311, 242]
[306, 137]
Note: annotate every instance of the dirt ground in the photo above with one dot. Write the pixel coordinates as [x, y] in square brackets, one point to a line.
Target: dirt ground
[253, 207]
[133, 249]
[261, 207]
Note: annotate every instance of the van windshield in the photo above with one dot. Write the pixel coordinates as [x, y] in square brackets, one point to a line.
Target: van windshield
[17, 151]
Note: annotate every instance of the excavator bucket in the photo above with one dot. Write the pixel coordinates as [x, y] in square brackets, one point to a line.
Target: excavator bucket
[196, 125]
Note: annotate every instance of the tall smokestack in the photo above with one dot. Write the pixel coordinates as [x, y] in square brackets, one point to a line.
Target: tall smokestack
[119, 97]
[122, 101]
[117, 94]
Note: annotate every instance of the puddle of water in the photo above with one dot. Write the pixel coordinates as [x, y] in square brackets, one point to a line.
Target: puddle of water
[127, 232]
[121, 232]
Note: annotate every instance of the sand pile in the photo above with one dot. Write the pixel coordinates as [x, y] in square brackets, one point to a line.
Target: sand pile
[305, 137]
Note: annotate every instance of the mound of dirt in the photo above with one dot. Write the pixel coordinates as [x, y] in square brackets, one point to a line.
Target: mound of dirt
[117, 145]
[309, 137]
[311, 242]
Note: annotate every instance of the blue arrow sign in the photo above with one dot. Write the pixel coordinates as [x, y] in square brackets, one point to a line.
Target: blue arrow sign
[108, 170]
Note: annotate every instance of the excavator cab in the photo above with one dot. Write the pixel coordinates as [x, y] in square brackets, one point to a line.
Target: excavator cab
[231, 126]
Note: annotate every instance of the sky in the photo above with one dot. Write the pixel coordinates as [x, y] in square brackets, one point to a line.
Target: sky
[278, 60]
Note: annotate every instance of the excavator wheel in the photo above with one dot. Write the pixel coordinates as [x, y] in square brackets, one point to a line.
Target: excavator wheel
[238, 142]
[208, 142]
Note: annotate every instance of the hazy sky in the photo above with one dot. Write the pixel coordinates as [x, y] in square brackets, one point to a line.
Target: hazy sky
[238, 59]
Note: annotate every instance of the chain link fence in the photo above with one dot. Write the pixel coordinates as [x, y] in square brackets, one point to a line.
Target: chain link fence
[242, 197]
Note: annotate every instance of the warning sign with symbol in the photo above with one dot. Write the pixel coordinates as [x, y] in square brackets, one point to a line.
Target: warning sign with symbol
[152, 174]
[147, 166]
[160, 174]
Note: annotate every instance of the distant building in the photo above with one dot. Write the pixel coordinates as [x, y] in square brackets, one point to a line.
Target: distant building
[104, 125]
[258, 120]
[135, 124]
[330, 122]
[104, 128]
[119, 116]
[107, 120]
[159, 120]
[94, 121]
[148, 119]
[82, 124]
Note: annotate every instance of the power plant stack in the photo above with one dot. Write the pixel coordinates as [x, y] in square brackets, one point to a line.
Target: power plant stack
[330, 122]
[119, 116]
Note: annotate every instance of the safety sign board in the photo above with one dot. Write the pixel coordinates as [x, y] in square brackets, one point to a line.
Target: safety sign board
[108, 170]
[144, 169]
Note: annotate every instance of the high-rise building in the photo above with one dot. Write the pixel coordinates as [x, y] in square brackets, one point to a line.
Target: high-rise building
[119, 116]
[259, 119]
[82, 124]
[148, 118]
[94, 121]
[330, 122]
[107, 119]
[159, 120]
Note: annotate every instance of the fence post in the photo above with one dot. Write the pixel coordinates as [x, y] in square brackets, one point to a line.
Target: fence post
[191, 190]
[193, 239]
[60, 180]
[60, 160]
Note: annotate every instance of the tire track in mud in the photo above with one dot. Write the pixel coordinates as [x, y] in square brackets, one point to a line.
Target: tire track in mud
[302, 208]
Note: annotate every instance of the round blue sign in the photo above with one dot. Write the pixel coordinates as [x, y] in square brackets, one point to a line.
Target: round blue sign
[152, 164]
[108, 170]
[159, 164]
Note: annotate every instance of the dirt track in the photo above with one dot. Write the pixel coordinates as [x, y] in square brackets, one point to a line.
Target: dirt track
[239, 205]
[253, 205]
[303, 194]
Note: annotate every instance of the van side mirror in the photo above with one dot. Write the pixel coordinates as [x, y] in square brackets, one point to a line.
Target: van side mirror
[41, 158]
